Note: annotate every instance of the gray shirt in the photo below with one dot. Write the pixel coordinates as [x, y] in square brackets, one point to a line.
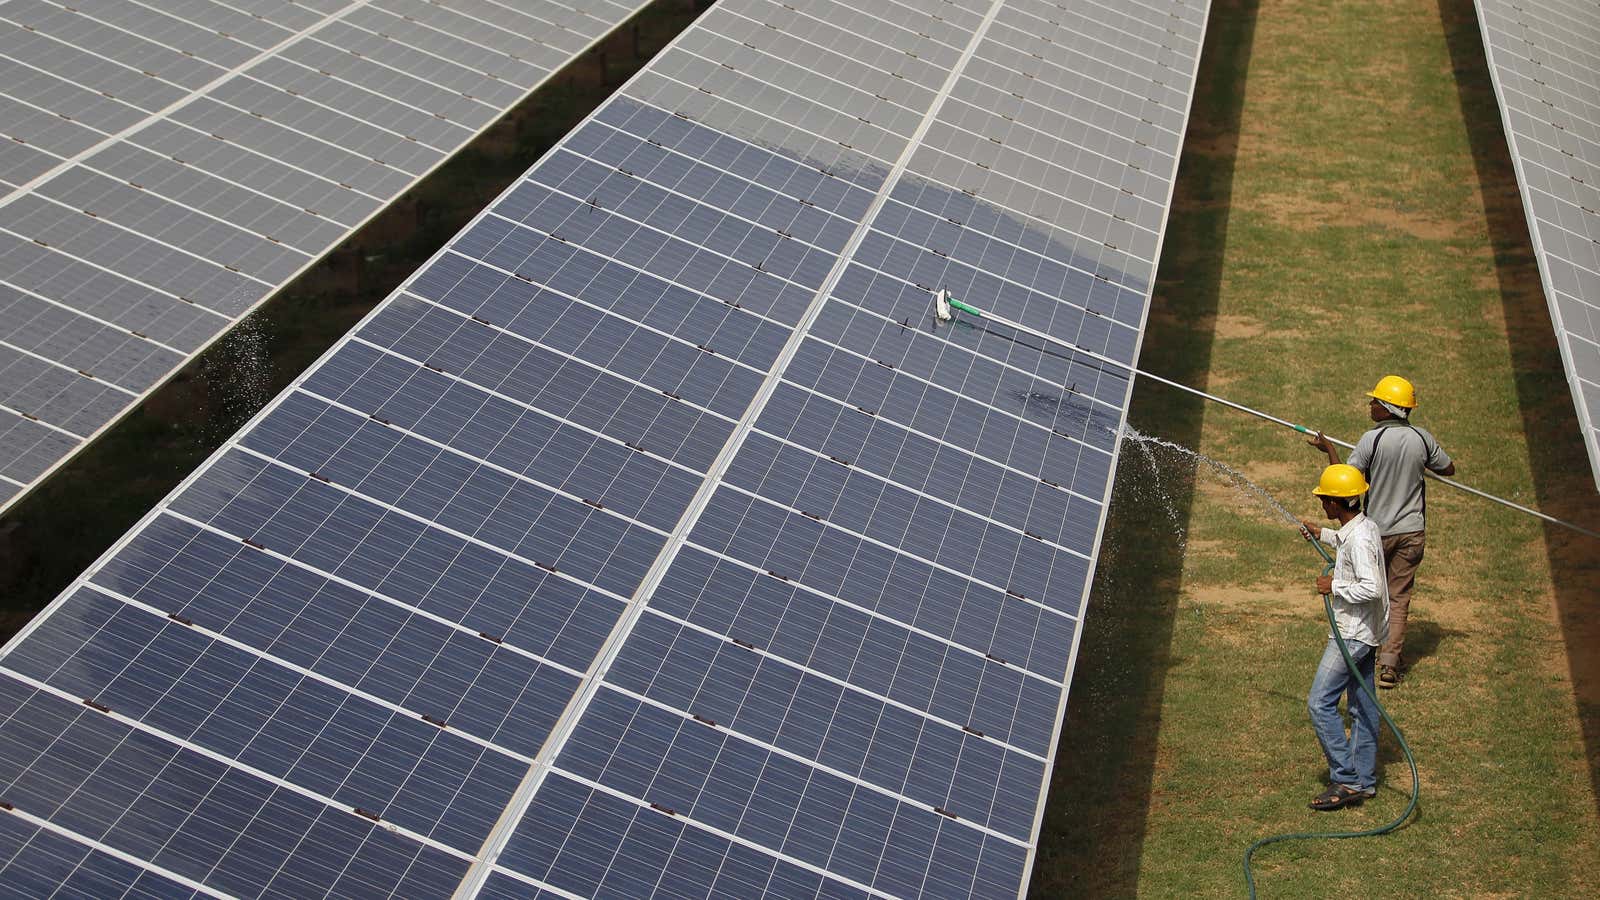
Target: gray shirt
[1392, 456]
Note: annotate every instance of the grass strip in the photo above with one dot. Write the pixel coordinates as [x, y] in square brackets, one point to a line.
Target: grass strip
[1345, 210]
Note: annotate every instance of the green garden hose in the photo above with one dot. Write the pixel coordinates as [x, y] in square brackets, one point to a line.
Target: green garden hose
[1327, 602]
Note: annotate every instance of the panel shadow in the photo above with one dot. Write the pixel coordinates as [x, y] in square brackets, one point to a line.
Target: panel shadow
[1094, 822]
[1561, 477]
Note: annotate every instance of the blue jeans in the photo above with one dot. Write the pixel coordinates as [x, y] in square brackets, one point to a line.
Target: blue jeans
[1352, 760]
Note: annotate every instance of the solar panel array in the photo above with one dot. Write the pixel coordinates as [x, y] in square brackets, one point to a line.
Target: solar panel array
[165, 167]
[651, 540]
[1544, 60]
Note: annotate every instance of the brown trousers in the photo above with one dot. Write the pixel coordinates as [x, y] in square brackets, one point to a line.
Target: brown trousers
[1402, 553]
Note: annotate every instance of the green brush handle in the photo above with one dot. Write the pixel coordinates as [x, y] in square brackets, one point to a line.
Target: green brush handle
[966, 308]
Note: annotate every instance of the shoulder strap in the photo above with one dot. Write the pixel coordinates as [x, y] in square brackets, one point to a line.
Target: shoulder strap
[1377, 438]
[1372, 460]
[1424, 441]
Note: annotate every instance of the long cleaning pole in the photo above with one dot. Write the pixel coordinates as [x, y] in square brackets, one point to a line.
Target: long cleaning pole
[944, 304]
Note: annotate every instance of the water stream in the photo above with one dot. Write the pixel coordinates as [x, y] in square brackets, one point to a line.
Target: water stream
[1148, 445]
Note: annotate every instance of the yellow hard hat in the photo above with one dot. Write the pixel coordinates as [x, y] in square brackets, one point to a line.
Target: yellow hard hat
[1341, 480]
[1396, 390]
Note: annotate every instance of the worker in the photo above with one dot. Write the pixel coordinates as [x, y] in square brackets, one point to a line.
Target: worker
[1393, 455]
[1359, 595]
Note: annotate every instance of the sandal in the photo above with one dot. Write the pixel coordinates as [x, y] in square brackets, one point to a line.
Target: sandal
[1338, 796]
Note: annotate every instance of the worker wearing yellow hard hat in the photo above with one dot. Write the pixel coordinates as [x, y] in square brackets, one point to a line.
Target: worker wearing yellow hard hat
[1396, 395]
[1358, 594]
[1341, 481]
[1393, 456]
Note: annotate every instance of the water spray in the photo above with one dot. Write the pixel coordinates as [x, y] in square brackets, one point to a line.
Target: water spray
[1234, 476]
[945, 307]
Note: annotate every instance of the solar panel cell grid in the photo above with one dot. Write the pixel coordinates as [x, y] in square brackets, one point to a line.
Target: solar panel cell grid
[574, 847]
[731, 608]
[171, 166]
[739, 787]
[999, 433]
[40, 863]
[28, 382]
[29, 446]
[249, 709]
[173, 225]
[883, 742]
[684, 430]
[298, 615]
[214, 200]
[190, 813]
[349, 448]
[874, 506]
[169, 272]
[323, 524]
[258, 23]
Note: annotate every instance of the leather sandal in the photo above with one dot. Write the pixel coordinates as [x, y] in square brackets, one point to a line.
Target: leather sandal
[1338, 796]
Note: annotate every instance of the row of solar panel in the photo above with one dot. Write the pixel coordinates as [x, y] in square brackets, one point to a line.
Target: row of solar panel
[825, 835]
[548, 860]
[256, 523]
[443, 526]
[1541, 55]
[169, 169]
[268, 484]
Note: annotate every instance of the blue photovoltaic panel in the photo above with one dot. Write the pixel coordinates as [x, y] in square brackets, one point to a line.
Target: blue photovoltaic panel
[855, 660]
[39, 861]
[165, 168]
[184, 811]
[1544, 60]
[651, 539]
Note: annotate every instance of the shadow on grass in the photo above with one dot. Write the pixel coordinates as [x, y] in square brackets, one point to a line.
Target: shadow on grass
[1389, 752]
[1561, 476]
[1100, 788]
[1423, 637]
[55, 533]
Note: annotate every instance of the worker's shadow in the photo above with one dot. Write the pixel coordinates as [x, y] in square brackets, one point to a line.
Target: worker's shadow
[1423, 638]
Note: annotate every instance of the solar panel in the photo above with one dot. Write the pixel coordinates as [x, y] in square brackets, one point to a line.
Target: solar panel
[1544, 60]
[167, 167]
[651, 539]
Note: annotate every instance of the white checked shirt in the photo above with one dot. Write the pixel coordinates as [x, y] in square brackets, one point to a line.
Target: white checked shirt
[1360, 584]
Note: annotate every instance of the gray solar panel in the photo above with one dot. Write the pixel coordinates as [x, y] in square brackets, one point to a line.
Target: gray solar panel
[1544, 60]
[651, 540]
[168, 166]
